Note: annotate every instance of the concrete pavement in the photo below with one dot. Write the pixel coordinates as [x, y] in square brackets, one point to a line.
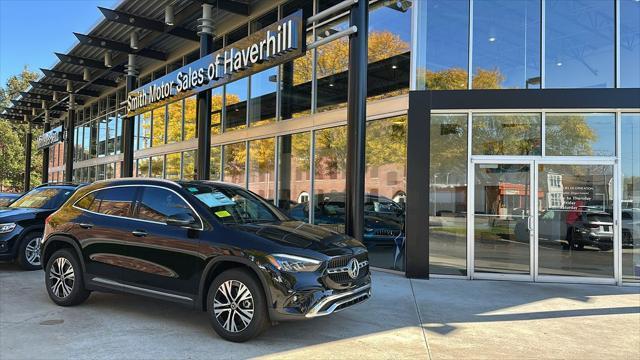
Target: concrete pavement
[417, 319]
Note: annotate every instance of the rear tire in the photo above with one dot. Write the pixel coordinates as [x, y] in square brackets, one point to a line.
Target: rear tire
[236, 306]
[29, 251]
[64, 279]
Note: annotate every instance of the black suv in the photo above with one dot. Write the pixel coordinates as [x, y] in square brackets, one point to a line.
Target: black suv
[214, 246]
[22, 223]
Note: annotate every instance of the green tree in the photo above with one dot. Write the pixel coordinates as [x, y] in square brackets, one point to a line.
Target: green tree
[13, 135]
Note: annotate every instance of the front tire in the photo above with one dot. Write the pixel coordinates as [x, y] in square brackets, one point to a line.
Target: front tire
[64, 279]
[236, 306]
[29, 251]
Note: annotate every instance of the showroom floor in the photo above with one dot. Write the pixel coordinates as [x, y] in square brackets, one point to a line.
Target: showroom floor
[416, 319]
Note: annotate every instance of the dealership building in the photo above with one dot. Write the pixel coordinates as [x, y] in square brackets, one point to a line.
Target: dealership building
[477, 139]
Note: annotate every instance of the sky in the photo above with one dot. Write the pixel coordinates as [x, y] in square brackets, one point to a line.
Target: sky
[32, 30]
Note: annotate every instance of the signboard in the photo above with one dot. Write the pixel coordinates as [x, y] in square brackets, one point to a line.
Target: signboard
[49, 138]
[275, 44]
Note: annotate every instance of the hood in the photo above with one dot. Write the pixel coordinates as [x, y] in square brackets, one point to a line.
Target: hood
[8, 214]
[303, 235]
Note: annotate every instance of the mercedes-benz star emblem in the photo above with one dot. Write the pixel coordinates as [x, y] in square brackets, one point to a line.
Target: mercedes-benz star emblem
[353, 268]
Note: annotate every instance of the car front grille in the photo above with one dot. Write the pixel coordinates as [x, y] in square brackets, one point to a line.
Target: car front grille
[337, 269]
[386, 232]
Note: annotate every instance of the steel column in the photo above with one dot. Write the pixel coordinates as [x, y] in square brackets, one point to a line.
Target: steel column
[203, 99]
[417, 209]
[68, 142]
[128, 126]
[356, 120]
[27, 158]
[45, 151]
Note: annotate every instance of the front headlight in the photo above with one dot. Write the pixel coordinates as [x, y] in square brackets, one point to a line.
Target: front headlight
[292, 263]
[5, 228]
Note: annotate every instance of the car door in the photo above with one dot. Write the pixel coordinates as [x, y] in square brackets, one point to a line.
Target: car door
[103, 230]
[165, 256]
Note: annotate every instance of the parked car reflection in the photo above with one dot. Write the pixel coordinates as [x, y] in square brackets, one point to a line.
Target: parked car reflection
[7, 198]
[630, 227]
[572, 229]
[384, 218]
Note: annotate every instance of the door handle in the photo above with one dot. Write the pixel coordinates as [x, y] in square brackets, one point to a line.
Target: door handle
[85, 225]
[530, 223]
[139, 233]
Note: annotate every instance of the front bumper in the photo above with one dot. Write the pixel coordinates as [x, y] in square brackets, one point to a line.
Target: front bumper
[339, 301]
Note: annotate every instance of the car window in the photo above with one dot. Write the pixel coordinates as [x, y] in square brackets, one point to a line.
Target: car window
[157, 204]
[116, 201]
[233, 205]
[43, 198]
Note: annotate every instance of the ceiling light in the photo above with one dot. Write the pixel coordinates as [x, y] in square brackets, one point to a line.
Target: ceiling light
[394, 66]
[168, 15]
[86, 74]
[492, 39]
[330, 84]
[559, 63]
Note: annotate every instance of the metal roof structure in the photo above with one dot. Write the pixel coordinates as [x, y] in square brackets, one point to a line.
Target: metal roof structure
[82, 69]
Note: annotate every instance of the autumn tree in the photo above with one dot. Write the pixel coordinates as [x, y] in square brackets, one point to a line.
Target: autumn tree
[12, 137]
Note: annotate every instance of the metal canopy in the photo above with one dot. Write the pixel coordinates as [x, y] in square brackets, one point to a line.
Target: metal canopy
[156, 41]
[78, 78]
[118, 46]
[148, 24]
[51, 87]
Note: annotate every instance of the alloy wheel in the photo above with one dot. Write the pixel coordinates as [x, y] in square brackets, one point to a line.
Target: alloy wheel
[233, 306]
[62, 277]
[32, 251]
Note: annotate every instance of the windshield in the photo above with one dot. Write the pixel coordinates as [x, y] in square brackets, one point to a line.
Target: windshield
[233, 205]
[43, 198]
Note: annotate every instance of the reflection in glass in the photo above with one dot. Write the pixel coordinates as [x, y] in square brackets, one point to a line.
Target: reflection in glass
[172, 170]
[331, 69]
[506, 44]
[263, 97]
[236, 104]
[630, 166]
[109, 170]
[501, 207]
[102, 136]
[190, 118]
[389, 49]
[158, 126]
[118, 134]
[111, 134]
[262, 167]
[448, 194]
[385, 191]
[215, 163]
[573, 134]
[216, 110]
[575, 223]
[174, 122]
[579, 43]
[157, 166]
[144, 136]
[189, 165]
[143, 167]
[329, 187]
[235, 157]
[443, 45]
[100, 172]
[507, 134]
[294, 181]
[296, 85]
[629, 43]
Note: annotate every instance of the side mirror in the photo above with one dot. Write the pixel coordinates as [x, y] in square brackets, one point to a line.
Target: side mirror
[182, 219]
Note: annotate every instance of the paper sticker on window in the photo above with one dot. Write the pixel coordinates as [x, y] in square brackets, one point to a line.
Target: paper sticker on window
[222, 214]
[215, 199]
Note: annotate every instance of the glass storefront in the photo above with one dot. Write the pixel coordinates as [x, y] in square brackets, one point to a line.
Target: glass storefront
[512, 193]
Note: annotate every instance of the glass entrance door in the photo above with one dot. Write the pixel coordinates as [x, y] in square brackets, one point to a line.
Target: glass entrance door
[502, 223]
[542, 220]
[575, 224]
